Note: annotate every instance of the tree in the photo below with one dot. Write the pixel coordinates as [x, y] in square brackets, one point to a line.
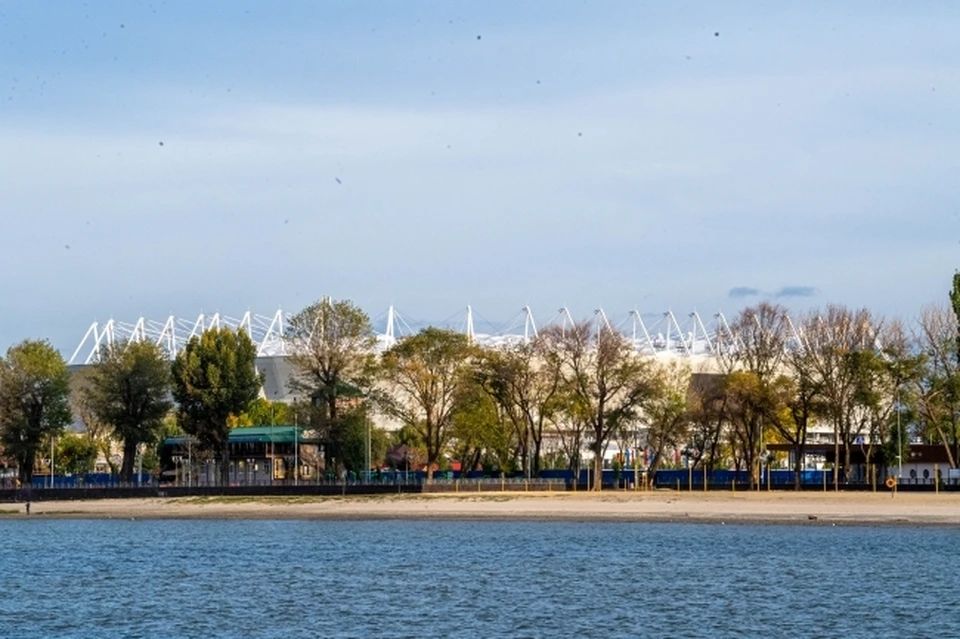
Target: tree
[34, 401]
[214, 377]
[609, 379]
[752, 363]
[98, 431]
[482, 432]
[666, 413]
[262, 412]
[937, 386]
[525, 381]
[425, 372]
[332, 351]
[76, 453]
[707, 406]
[354, 447]
[129, 390]
[839, 341]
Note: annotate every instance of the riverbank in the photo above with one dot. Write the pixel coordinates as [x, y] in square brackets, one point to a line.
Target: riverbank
[915, 509]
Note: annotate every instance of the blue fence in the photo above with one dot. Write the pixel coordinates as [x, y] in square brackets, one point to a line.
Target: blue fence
[90, 480]
[669, 478]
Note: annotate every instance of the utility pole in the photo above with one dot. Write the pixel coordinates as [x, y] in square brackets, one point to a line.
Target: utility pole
[369, 454]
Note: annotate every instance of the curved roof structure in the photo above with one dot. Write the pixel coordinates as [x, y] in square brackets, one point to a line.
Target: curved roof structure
[661, 334]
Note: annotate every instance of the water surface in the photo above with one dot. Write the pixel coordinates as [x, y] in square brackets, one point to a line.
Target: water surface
[78, 578]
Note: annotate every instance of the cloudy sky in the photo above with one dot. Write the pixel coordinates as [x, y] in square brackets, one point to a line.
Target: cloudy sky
[179, 157]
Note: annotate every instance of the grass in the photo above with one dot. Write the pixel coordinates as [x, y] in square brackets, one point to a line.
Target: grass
[10, 511]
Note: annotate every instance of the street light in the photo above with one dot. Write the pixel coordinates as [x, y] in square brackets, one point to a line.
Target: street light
[899, 439]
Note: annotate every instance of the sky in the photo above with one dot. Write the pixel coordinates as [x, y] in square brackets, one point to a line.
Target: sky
[182, 157]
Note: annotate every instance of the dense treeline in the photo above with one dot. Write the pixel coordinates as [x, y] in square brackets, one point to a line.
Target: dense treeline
[524, 407]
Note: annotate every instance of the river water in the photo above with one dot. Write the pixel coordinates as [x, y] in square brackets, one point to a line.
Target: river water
[110, 578]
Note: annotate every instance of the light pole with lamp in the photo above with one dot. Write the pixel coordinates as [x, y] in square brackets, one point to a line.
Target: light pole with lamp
[899, 439]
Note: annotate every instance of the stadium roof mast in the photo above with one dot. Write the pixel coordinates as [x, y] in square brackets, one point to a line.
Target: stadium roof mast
[529, 326]
[471, 337]
[638, 321]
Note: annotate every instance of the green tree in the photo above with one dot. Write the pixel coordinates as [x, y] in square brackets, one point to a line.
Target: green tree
[332, 351]
[34, 401]
[214, 378]
[129, 390]
[482, 431]
[666, 413]
[100, 432]
[261, 412]
[354, 447]
[76, 453]
[525, 382]
[425, 372]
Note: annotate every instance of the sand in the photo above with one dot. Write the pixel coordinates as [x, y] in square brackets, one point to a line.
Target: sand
[912, 509]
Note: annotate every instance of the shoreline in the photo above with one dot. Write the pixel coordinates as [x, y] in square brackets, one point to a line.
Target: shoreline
[843, 509]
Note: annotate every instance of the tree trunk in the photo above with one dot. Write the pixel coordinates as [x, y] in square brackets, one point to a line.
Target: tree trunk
[25, 462]
[597, 471]
[836, 458]
[225, 464]
[799, 451]
[129, 455]
[536, 456]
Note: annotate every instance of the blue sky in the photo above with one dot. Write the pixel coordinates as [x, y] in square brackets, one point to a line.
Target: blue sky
[179, 157]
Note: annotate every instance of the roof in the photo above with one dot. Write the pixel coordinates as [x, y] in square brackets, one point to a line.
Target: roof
[280, 434]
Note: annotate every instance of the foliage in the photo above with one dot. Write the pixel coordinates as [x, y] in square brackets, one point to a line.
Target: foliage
[525, 381]
[75, 453]
[332, 351]
[34, 401]
[481, 431]
[354, 447]
[607, 381]
[425, 372]
[214, 377]
[262, 412]
[129, 391]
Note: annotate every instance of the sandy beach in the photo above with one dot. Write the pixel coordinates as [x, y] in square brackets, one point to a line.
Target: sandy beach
[916, 509]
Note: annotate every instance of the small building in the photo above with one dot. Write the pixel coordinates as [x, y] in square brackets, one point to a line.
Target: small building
[919, 466]
[259, 455]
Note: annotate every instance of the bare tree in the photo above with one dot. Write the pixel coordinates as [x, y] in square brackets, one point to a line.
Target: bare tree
[937, 388]
[608, 377]
[752, 364]
[842, 343]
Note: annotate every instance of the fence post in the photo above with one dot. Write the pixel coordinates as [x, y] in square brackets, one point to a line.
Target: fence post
[824, 480]
[704, 478]
[690, 478]
[936, 479]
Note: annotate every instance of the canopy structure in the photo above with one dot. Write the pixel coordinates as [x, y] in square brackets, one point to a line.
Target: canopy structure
[662, 334]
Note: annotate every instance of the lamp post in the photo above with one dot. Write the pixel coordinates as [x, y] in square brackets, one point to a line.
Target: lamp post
[899, 439]
[367, 453]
